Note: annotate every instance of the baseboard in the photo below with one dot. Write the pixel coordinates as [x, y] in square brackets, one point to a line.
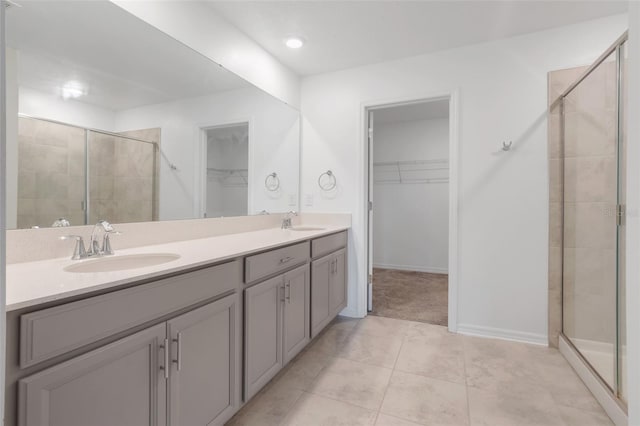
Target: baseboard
[595, 385]
[504, 334]
[428, 269]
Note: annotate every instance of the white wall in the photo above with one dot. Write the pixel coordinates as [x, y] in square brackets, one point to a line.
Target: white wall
[410, 221]
[44, 105]
[503, 197]
[202, 29]
[633, 218]
[274, 134]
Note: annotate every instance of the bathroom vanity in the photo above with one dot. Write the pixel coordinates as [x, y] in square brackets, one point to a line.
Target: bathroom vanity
[184, 343]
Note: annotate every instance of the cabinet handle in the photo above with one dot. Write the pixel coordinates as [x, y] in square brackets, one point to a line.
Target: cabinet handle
[281, 288]
[333, 264]
[288, 293]
[286, 260]
[178, 359]
[165, 367]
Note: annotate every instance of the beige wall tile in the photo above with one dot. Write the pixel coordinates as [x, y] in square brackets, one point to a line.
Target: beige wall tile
[590, 179]
[555, 224]
[52, 185]
[26, 185]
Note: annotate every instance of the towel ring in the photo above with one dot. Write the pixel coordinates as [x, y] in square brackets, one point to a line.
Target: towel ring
[328, 186]
[272, 182]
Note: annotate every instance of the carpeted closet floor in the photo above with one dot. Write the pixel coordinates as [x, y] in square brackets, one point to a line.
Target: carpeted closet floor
[408, 295]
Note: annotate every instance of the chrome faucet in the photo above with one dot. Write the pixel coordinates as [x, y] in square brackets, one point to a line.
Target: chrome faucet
[94, 246]
[79, 252]
[286, 220]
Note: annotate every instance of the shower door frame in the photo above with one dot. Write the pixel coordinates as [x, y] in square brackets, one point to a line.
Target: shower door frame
[616, 48]
[87, 177]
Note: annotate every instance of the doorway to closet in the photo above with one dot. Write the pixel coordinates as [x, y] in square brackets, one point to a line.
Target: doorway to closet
[409, 148]
[226, 149]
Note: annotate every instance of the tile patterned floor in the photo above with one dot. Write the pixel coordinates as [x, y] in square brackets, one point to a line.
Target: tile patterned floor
[386, 372]
[410, 295]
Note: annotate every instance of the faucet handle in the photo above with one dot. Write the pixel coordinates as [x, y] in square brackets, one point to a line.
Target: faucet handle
[106, 242]
[79, 252]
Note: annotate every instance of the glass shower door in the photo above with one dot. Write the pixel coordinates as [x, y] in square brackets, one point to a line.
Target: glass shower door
[590, 215]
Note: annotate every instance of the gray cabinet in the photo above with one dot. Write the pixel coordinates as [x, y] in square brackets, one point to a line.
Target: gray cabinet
[296, 313]
[122, 383]
[328, 289]
[203, 381]
[276, 325]
[262, 333]
[338, 283]
[320, 281]
[185, 370]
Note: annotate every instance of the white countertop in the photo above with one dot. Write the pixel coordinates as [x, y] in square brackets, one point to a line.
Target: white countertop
[33, 283]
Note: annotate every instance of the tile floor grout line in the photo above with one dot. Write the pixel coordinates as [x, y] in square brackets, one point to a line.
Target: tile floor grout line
[466, 376]
[339, 400]
[288, 410]
[384, 395]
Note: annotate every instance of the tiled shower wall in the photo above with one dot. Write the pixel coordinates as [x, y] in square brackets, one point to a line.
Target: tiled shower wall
[51, 177]
[50, 173]
[590, 196]
[122, 177]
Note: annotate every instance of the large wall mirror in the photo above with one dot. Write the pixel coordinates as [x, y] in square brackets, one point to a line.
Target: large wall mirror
[109, 118]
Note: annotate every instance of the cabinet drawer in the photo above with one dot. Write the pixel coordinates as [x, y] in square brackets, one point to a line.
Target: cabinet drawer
[328, 244]
[274, 261]
[51, 332]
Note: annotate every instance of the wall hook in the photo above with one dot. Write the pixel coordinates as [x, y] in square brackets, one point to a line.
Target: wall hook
[507, 146]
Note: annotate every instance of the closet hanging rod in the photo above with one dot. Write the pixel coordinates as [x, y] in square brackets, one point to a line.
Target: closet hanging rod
[213, 169]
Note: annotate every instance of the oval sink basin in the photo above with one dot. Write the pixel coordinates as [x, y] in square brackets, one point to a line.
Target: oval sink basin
[121, 263]
[307, 228]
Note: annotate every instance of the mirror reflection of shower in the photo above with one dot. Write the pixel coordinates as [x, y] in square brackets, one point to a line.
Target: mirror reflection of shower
[227, 170]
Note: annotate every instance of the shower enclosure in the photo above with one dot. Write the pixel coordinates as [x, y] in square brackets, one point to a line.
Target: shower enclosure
[592, 159]
[84, 175]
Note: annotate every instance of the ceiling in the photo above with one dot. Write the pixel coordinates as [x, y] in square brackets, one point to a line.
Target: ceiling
[343, 34]
[91, 42]
[412, 112]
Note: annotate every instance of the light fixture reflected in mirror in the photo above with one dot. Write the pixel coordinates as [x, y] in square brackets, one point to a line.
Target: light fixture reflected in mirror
[294, 42]
[73, 89]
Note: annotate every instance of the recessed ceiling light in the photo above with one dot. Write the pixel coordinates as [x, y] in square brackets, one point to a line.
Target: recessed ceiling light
[294, 42]
[73, 89]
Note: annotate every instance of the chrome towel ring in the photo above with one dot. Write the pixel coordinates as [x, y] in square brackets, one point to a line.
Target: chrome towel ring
[272, 182]
[329, 182]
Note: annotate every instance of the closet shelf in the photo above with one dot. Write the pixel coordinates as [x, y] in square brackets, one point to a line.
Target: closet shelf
[229, 177]
[411, 172]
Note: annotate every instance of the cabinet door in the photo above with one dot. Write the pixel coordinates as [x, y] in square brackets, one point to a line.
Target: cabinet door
[122, 383]
[263, 333]
[204, 357]
[320, 278]
[296, 333]
[338, 287]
